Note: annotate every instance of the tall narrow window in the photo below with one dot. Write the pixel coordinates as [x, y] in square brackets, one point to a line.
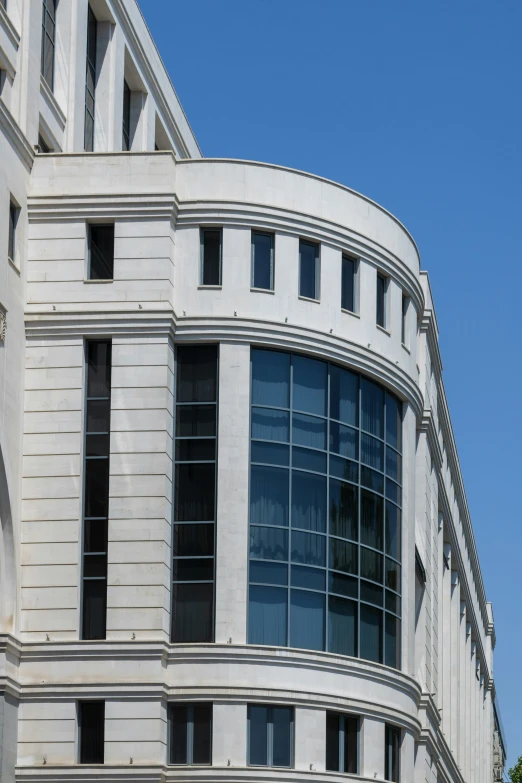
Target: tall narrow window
[90, 80]
[392, 747]
[211, 250]
[342, 735]
[96, 489]
[262, 260]
[13, 220]
[101, 251]
[348, 284]
[270, 736]
[91, 725]
[43, 147]
[126, 145]
[381, 301]
[194, 494]
[308, 269]
[404, 326]
[190, 732]
[48, 36]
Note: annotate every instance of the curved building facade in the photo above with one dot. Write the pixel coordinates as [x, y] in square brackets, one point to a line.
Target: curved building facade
[235, 539]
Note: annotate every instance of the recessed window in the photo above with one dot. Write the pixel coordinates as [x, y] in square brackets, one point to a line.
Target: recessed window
[392, 747]
[48, 37]
[101, 251]
[262, 260]
[90, 80]
[342, 736]
[91, 725]
[308, 269]
[404, 325]
[126, 139]
[42, 145]
[270, 736]
[14, 214]
[382, 283]
[211, 252]
[3, 3]
[190, 732]
[349, 266]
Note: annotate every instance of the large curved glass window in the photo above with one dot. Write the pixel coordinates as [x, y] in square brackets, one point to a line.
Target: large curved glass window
[325, 509]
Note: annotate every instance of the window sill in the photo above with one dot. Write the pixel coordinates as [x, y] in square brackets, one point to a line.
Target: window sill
[262, 290]
[210, 287]
[14, 265]
[383, 329]
[309, 299]
[98, 282]
[405, 348]
[350, 312]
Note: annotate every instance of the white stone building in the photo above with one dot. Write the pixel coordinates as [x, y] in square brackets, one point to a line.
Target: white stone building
[235, 543]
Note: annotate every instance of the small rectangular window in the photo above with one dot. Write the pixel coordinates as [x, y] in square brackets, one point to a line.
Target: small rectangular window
[190, 731]
[308, 269]
[91, 725]
[392, 747]
[42, 145]
[348, 284]
[101, 251]
[270, 736]
[404, 328]
[342, 735]
[381, 301]
[48, 36]
[211, 252]
[126, 145]
[262, 260]
[13, 220]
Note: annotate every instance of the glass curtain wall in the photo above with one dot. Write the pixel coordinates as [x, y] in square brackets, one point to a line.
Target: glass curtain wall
[325, 509]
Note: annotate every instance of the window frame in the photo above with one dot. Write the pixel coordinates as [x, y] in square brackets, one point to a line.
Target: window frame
[270, 736]
[317, 278]
[189, 733]
[14, 216]
[355, 261]
[385, 283]
[392, 753]
[88, 276]
[270, 234]
[202, 230]
[79, 710]
[404, 320]
[48, 40]
[126, 117]
[343, 716]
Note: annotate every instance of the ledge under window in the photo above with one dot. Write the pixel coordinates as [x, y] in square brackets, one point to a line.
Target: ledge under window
[309, 299]
[350, 312]
[262, 290]
[98, 282]
[210, 287]
[383, 329]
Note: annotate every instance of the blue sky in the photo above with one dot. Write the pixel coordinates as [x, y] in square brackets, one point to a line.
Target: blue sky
[418, 106]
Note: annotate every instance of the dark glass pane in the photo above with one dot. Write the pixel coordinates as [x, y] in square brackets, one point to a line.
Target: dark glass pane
[308, 578]
[371, 593]
[94, 608]
[178, 735]
[211, 242]
[307, 459]
[344, 396]
[393, 575]
[202, 734]
[269, 490]
[371, 565]
[371, 479]
[307, 620]
[332, 742]
[348, 284]
[344, 585]
[267, 616]
[309, 378]
[343, 509]
[344, 469]
[393, 422]
[392, 641]
[268, 543]
[98, 416]
[393, 491]
[91, 720]
[309, 431]
[193, 540]
[268, 573]
[195, 421]
[393, 603]
[393, 464]
[282, 718]
[371, 519]
[270, 378]
[97, 445]
[371, 633]
[196, 450]
[197, 371]
[99, 368]
[95, 565]
[126, 117]
[89, 131]
[270, 424]
[48, 57]
[342, 623]
[372, 408]
[192, 612]
[193, 569]
[101, 265]
[96, 488]
[393, 531]
[372, 452]
[351, 737]
[308, 255]
[344, 440]
[381, 299]
[308, 501]
[272, 453]
[391, 751]
[308, 549]
[95, 536]
[258, 735]
[262, 245]
[194, 492]
[12, 226]
[343, 556]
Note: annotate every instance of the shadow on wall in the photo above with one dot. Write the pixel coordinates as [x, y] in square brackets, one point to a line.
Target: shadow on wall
[7, 555]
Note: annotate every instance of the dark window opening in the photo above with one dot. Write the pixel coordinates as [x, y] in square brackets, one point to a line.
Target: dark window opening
[48, 39]
[342, 739]
[101, 251]
[348, 284]
[392, 747]
[190, 733]
[211, 251]
[91, 725]
[404, 326]
[90, 80]
[270, 736]
[13, 221]
[381, 301]
[308, 269]
[126, 138]
[262, 260]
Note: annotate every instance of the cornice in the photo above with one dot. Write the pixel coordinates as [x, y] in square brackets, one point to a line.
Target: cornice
[149, 206]
[13, 132]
